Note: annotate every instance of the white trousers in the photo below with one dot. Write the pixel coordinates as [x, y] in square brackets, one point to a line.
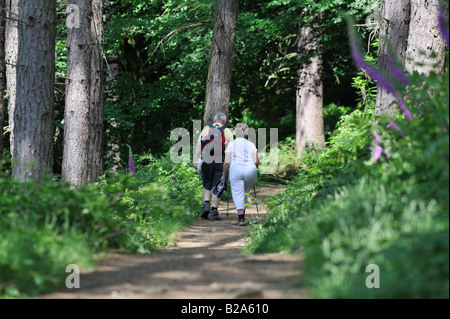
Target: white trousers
[242, 178]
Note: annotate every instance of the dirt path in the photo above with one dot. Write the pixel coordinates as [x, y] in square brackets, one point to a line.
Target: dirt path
[206, 263]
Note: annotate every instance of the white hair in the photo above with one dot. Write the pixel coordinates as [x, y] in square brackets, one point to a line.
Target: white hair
[220, 117]
[241, 130]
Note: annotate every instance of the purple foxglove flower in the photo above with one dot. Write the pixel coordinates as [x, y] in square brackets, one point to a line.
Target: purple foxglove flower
[397, 72]
[371, 72]
[377, 154]
[443, 27]
[404, 108]
[131, 167]
[394, 126]
[377, 138]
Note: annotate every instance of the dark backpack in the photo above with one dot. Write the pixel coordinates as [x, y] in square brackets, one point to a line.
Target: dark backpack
[214, 137]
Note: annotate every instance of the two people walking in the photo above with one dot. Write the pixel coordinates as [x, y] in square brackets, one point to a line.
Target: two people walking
[217, 154]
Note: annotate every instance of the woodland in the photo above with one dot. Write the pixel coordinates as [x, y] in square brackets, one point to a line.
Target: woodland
[357, 90]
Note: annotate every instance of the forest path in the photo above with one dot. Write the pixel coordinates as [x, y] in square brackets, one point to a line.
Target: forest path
[205, 263]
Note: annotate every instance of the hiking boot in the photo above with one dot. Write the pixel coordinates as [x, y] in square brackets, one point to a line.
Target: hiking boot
[205, 211]
[241, 221]
[214, 215]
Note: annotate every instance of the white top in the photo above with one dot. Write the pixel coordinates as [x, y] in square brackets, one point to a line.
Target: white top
[242, 150]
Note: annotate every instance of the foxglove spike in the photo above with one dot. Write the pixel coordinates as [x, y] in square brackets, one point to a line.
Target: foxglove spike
[371, 72]
[131, 167]
[377, 154]
[404, 108]
[394, 126]
[377, 138]
[397, 72]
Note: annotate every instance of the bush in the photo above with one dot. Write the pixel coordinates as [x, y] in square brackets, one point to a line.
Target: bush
[287, 161]
[319, 173]
[166, 199]
[43, 228]
[349, 207]
[46, 226]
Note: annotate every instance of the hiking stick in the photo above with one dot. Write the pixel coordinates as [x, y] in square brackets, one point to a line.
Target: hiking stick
[228, 200]
[228, 194]
[257, 210]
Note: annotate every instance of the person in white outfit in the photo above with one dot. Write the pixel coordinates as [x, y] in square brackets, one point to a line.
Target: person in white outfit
[241, 157]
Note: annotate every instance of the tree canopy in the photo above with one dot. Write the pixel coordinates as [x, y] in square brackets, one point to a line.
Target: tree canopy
[163, 49]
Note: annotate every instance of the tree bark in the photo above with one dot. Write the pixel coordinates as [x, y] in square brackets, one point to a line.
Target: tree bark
[11, 52]
[218, 84]
[424, 36]
[309, 95]
[96, 107]
[78, 102]
[412, 27]
[2, 69]
[33, 114]
[394, 25]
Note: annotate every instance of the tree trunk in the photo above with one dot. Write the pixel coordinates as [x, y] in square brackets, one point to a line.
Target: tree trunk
[309, 97]
[424, 36]
[394, 24]
[412, 27]
[218, 84]
[96, 111]
[11, 51]
[2, 70]
[33, 114]
[78, 102]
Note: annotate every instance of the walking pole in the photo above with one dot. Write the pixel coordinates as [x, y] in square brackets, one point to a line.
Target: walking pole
[228, 195]
[228, 200]
[257, 210]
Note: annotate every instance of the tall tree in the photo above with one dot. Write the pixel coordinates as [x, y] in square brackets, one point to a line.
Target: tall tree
[394, 25]
[309, 97]
[424, 38]
[33, 114]
[78, 103]
[411, 26]
[2, 69]
[96, 107]
[218, 84]
[11, 52]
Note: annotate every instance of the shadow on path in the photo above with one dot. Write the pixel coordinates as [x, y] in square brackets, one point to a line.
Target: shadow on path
[205, 263]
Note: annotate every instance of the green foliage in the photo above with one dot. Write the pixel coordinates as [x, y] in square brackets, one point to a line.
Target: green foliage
[163, 51]
[46, 226]
[367, 90]
[324, 170]
[346, 210]
[168, 205]
[287, 161]
[33, 260]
